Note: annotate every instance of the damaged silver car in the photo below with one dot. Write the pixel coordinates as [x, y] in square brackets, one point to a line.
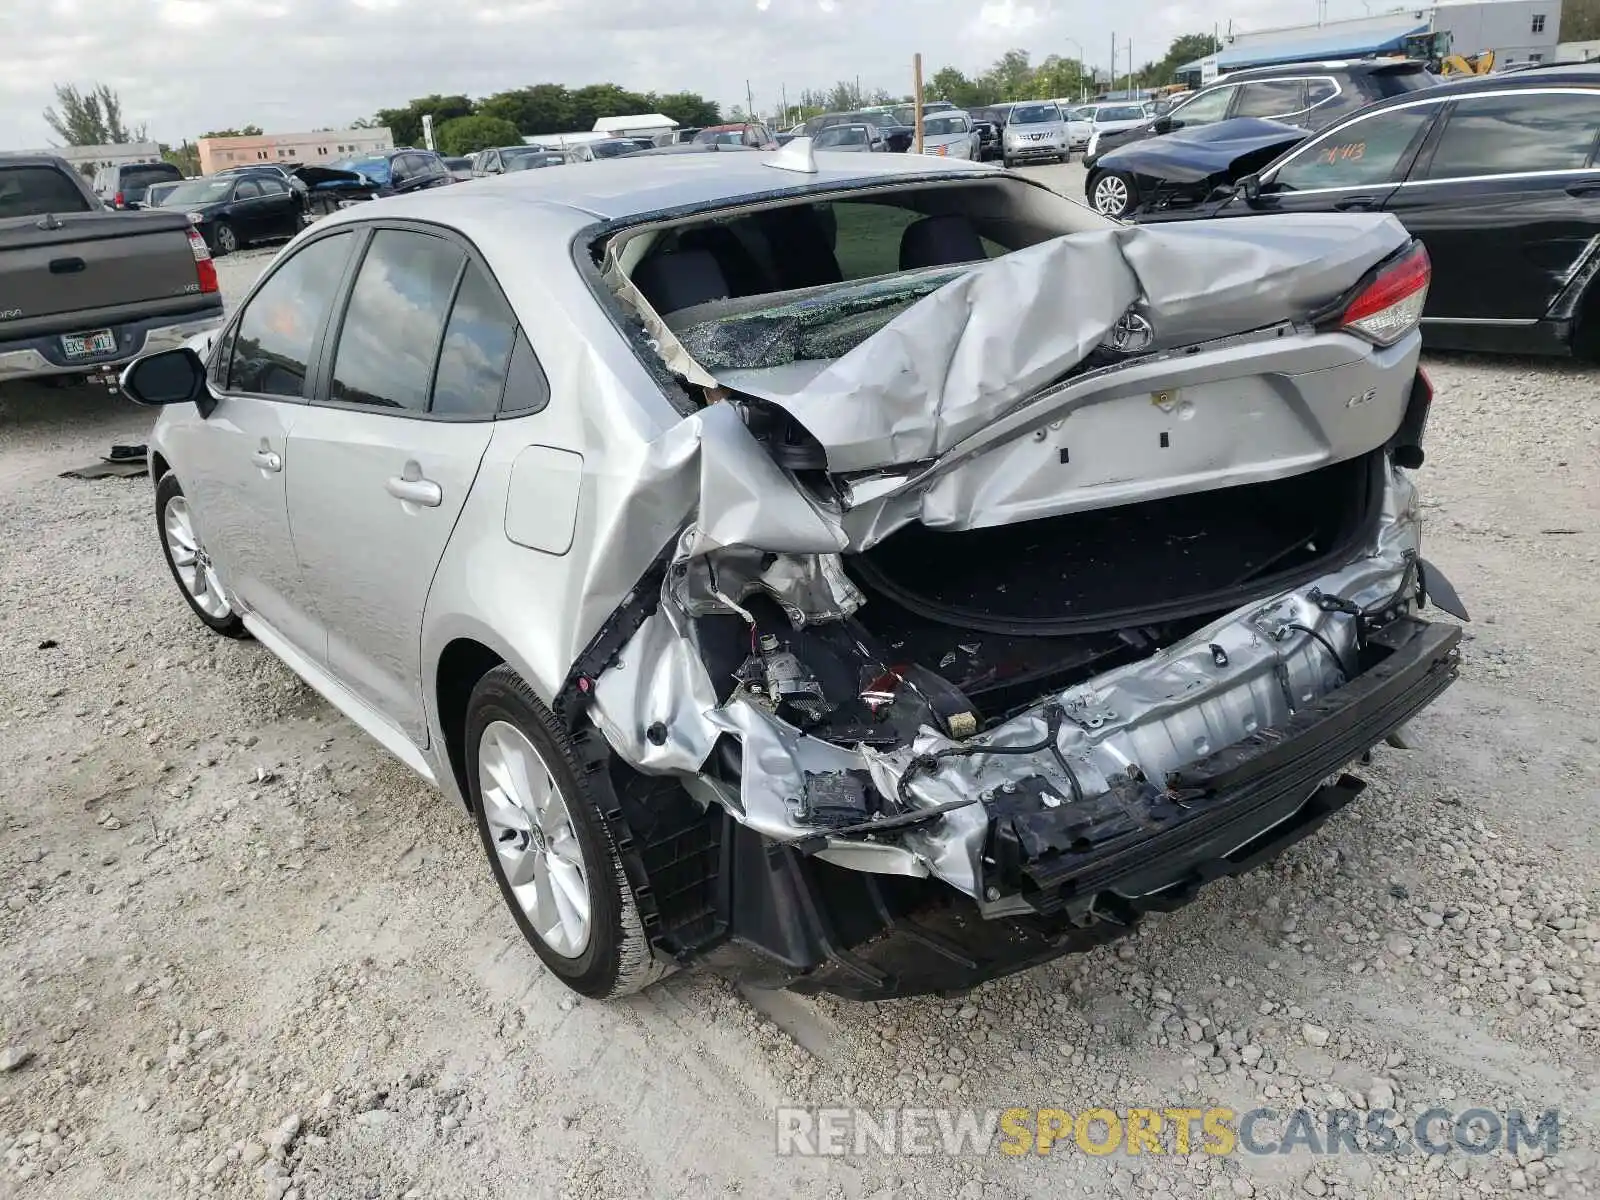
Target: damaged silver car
[848, 573]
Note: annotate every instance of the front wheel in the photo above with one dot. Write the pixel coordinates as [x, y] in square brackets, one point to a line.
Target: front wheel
[189, 563]
[548, 843]
[1113, 193]
[227, 241]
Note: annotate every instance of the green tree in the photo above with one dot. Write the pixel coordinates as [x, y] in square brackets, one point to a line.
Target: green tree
[597, 100]
[247, 131]
[1011, 78]
[92, 118]
[1580, 20]
[468, 135]
[687, 108]
[405, 124]
[950, 84]
[1059, 79]
[185, 157]
[1185, 49]
[542, 108]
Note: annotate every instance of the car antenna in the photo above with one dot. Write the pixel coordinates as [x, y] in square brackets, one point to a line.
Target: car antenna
[796, 156]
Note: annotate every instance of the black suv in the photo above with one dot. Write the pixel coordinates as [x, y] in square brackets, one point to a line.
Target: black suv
[1310, 95]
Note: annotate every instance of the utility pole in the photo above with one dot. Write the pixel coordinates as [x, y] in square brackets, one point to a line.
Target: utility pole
[785, 120]
[1113, 79]
[916, 118]
[749, 102]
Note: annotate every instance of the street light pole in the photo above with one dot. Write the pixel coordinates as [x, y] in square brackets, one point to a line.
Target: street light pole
[1078, 46]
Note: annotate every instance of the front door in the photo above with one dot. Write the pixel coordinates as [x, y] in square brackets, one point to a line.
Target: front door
[381, 463]
[1507, 202]
[233, 466]
[1353, 167]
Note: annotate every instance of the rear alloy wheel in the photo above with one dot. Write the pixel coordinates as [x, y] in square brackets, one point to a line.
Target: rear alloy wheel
[191, 566]
[548, 843]
[227, 241]
[1113, 194]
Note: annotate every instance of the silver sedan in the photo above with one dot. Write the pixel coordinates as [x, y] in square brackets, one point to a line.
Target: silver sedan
[850, 572]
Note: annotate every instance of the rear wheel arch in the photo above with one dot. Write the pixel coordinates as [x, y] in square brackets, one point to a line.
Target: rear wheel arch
[158, 466]
[1586, 324]
[462, 663]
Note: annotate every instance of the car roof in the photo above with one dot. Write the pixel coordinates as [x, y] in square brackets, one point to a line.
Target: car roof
[1556, 75]
[643, 185]
[1347, 66]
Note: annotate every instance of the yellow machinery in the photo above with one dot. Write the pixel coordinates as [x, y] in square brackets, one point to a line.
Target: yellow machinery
[1461, 64]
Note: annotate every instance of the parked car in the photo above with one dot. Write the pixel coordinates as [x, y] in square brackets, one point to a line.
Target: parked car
[949, 134]
[235, 211]
[123, 186]
[743, 133]
[82, 289]
[156, 192]
[397, 172]
[1080, 125]
[1035, 131]
[499, 160]
[1187, 167]
[460, 167]
[534, 161]
[988, 139]
[897, 137]
[615, 147]
[855, 139]
[1007, 654]
[1310, 95]
[288, 172]
[692, 148]
[1496, 175]
[1110, 119]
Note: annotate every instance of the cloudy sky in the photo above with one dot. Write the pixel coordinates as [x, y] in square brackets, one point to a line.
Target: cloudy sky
[186, 66]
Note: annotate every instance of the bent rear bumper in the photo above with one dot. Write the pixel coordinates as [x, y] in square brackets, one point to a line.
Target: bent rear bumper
[1090, 875]
[39, 357]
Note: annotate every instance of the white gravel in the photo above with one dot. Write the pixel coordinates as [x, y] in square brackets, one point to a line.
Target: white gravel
[243, 953]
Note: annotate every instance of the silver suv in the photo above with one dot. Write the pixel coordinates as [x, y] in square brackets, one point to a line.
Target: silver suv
[807, 565]
[1035, 133]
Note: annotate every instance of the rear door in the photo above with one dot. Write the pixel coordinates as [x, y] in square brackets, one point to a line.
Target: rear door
[381, 463]
[233, 464]
[1507, 200]
[280, 211]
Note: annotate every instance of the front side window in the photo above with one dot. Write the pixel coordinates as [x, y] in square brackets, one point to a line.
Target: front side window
[1204, 109]
[280, 325]
[1357, 154]
[1271, 98]
[477, 346]
[1507, 135]
[391, 328]
[248, 189]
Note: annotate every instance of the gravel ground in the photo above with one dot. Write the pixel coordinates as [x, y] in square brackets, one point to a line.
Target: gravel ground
[243, 953]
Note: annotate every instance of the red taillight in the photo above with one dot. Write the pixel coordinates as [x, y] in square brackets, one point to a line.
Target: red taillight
[119, 201]
[204, 268]
[1390, 306]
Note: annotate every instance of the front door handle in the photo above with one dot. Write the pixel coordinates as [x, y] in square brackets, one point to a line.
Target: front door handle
[417, 491]
[1356, 204]
[1576, 189]
[267, 460]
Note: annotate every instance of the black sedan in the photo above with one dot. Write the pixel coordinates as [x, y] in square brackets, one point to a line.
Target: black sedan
[1497, 176]
[232, 211]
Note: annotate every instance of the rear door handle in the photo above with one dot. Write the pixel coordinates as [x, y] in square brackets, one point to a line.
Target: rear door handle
[417, 491]
[1355, 203]
[267, 460]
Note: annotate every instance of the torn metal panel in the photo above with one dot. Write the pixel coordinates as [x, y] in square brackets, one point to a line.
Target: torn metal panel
[652, 704]
[811, 588]
[777, 757]
[950, 364]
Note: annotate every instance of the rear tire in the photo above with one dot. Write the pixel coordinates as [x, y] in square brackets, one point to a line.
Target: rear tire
[190, 565]
[548, 844]
[224, 239]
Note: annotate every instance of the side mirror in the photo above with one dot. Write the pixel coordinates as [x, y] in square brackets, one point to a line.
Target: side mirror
[1163, 124]
[1249, 186]
[169, 377]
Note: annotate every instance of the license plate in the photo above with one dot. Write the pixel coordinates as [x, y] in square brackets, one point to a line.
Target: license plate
[87, 345]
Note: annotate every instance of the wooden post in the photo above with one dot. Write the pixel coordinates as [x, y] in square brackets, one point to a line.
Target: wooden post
[916, 104]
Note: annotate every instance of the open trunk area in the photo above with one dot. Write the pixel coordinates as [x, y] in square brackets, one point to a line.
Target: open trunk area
[1004, 612]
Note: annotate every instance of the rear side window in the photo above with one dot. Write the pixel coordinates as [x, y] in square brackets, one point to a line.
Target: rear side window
[280, 325]
[1396, 83]
[391, 329]
[34, 191]
[1361, 153]
[1320, 90]
[1503, 135]
[477, 347]
[146, 175]
[1271, 98]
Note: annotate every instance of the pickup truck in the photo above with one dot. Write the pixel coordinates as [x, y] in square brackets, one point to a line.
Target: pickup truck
[84, 289]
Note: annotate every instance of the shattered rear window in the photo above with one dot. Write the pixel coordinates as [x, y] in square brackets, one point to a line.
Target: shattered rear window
[720, 337]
